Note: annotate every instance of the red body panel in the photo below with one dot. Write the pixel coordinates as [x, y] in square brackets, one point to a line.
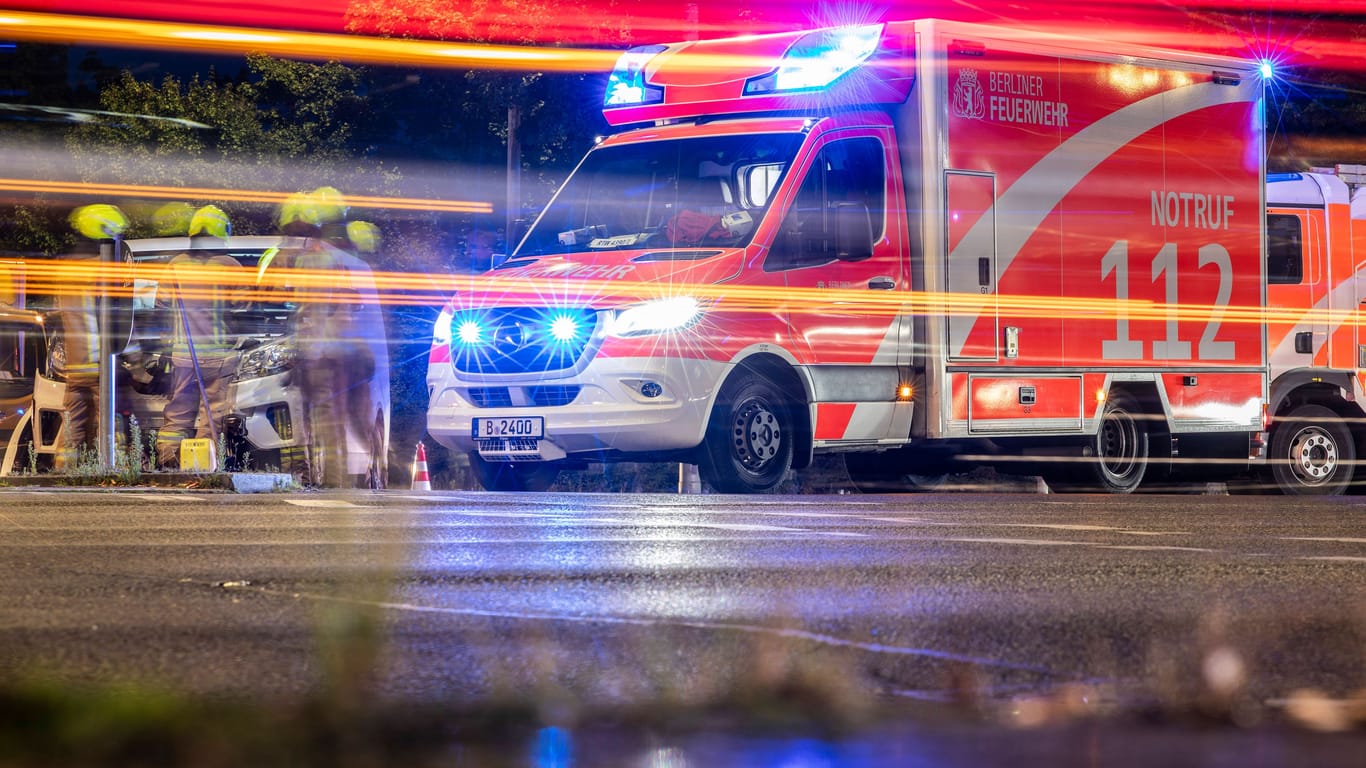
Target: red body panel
[1100, 197]
[978, 397]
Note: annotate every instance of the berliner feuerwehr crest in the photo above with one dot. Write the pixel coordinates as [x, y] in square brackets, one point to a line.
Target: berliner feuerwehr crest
[969, 100]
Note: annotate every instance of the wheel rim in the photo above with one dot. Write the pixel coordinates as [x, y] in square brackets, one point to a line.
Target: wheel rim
[1119, 440]
[757, 435]
[1313, 456]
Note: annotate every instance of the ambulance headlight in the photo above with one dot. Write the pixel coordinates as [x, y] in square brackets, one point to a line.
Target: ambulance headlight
[626, 85]
[267, 360]
[818, 59]
[658, 316]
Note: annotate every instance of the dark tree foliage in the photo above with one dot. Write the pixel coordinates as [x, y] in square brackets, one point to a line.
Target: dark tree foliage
[1316, 118]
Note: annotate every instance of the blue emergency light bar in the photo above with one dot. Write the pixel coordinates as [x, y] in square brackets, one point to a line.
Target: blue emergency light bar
[818, 59]
[626, 85]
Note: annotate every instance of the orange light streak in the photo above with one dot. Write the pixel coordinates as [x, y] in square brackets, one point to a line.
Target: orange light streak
[170, 36]
[1303, 31]
[247, 195]
[54, 277]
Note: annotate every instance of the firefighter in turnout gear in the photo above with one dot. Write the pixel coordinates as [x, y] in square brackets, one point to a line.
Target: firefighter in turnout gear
[336, 323]
[81, 335]
[202, 357]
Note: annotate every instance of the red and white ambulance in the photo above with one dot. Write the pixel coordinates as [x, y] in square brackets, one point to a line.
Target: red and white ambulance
[924, 244]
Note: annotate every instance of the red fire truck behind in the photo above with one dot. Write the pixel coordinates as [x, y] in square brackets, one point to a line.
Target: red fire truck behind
[926, 245]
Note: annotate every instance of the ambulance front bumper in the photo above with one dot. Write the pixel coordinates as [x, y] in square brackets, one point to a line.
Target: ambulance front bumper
[631, 405]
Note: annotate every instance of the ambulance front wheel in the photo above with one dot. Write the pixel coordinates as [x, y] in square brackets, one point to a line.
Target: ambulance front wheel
[749, 442]
[1312, 452]
[513, 475]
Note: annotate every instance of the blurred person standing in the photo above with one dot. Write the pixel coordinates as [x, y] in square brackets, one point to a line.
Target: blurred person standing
[340, 336]
[81, 338]
[368, 388]
[202, 355]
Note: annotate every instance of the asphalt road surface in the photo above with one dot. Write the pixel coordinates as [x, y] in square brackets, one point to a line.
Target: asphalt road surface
[1016, 610]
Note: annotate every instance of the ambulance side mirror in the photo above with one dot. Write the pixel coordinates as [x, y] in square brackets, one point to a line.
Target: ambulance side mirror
[853, 232]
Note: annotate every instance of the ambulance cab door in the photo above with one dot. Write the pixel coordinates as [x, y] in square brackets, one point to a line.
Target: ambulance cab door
[1296, 284]
[970, 290]
[840, 251]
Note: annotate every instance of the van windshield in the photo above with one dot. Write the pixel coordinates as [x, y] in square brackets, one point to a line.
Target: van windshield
[266, 314]
[697, 193]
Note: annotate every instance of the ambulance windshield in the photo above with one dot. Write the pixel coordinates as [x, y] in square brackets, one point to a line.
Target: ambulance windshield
[696, 193]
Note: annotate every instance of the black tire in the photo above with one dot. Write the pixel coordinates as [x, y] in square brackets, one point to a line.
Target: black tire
[1312, 452]
[1119, 453]
[534, 476]
[749, 442]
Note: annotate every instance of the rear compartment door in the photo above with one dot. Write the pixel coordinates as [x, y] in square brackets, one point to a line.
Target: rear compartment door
[970, 299]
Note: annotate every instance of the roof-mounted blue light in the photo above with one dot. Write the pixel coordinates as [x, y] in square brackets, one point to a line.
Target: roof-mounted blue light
[1267, 69]
[818, 59]
[626, 86]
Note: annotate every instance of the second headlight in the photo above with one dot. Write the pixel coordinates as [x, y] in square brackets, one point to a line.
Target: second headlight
[657, 316]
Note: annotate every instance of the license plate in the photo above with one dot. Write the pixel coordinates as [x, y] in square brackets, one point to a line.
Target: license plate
[513, 426]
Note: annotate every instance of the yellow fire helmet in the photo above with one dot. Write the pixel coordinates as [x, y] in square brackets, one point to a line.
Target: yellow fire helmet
[210, 220]
[99, 221]
[173, 219]
[295, 208]
[363, 235]
[323, 205]
[328, 205]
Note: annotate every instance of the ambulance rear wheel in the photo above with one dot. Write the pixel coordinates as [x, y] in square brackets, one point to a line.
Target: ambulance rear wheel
[533, 476]
[1312, 452]
[749, 440]
[1118, 456]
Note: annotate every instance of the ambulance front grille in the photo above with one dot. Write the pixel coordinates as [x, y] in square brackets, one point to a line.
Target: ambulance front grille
[513, 340]
[491, 397]
[521, 397]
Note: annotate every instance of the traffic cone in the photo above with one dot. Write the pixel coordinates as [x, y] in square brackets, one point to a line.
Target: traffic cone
[421, 480]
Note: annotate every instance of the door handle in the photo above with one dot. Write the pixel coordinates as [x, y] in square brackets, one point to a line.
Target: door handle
[984, 271]
[882, 283]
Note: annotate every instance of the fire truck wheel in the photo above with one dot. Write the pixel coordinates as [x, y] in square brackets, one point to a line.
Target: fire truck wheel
[1119, 457]
[513, 476]
[1312, 453]
[749, 439]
